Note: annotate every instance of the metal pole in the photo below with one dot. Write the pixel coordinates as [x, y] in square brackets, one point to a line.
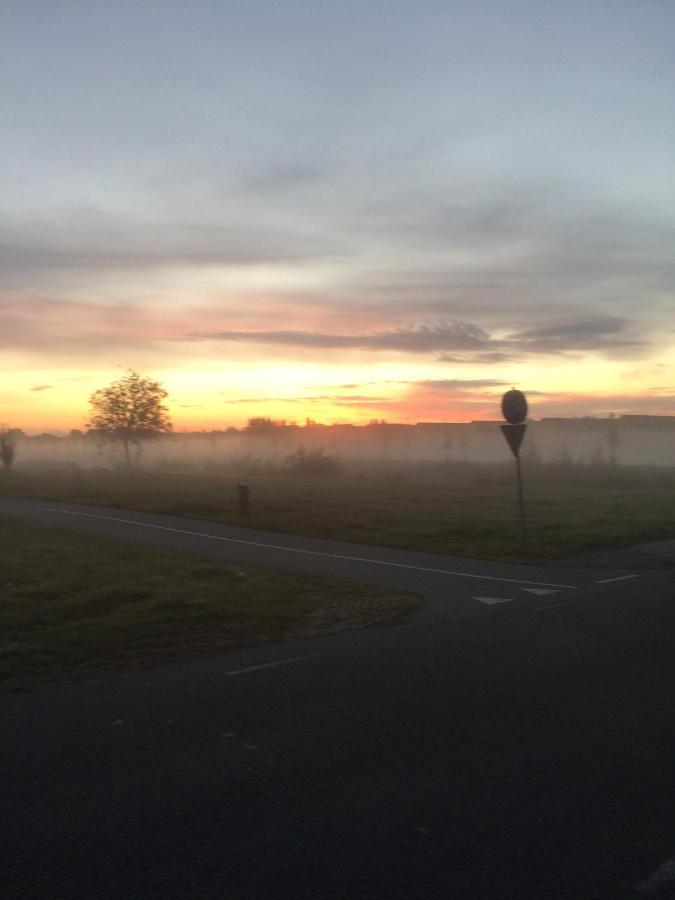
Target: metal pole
[521, 503]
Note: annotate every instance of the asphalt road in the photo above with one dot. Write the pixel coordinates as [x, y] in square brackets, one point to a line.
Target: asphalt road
[514, 739]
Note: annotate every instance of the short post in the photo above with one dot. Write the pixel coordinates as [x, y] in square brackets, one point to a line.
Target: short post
[242, 499]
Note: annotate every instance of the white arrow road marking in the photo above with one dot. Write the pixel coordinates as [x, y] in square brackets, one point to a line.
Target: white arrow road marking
[540, 591]
[491, 601]
[665, 874]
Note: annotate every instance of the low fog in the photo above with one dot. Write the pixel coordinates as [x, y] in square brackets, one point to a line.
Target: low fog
[622, 441]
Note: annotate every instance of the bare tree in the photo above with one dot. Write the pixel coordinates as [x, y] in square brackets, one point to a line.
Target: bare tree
[128, 412]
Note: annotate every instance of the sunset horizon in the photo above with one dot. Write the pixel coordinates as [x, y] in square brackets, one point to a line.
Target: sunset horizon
[425, 402]
[304, 214]
[337, 449]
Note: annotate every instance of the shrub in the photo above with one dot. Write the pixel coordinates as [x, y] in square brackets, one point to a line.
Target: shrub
[7, 447]
[311, 462]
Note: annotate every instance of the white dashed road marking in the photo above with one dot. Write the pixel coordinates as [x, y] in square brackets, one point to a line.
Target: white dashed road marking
[619, 578]
[541, 592]
[492, 601]
[553, 606]
[374, 562]
[278, 662]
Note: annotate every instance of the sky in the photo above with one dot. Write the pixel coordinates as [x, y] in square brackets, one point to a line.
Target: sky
[341, 211]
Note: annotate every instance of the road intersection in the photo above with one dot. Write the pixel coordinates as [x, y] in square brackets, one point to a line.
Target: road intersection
[511, 739]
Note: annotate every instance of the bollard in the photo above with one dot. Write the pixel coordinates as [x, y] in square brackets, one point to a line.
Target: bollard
[242, 499]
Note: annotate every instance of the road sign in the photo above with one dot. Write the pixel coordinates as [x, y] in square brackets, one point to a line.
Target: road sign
[514, 407]
[514, 435]
[514, 410]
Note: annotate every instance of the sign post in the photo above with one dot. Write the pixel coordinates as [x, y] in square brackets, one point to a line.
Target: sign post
[514, 410]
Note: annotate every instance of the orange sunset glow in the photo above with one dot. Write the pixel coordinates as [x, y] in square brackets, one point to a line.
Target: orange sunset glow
[332, 235]
[337, 449]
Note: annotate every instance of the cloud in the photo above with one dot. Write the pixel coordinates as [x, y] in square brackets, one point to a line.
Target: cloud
[136, 335]
[239, 400]
[460, 384]
[422, 402]
[415, 339]
[451, 338]
[513, 259]
[596, 334]
[484, 278]
[88, 242]
[76, 330]
[337, 399]
[344, 399]
[481, 359]
[286, 176]
[41, 387]
[574, 404]
[526, 234]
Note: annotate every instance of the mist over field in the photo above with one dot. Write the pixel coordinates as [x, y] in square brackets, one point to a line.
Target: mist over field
[337, 449]
[621, 441]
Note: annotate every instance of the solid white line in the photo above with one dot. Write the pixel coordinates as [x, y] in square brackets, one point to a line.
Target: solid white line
[553, 606]
[279, 662]
[374, 562]
[620, 578]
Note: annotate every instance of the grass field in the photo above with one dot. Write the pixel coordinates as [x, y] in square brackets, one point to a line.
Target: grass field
[72, 604]
[468, 511]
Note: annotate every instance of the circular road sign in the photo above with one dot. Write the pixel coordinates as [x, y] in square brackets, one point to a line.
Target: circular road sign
[514, 407]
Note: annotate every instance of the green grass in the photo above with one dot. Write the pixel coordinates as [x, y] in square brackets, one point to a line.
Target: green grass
[468, 511]
[72, 604]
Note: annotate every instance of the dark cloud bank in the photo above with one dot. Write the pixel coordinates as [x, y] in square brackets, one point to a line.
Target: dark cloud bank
[607, 334]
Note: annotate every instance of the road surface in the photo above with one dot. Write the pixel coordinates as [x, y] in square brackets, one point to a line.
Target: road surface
[514, 739]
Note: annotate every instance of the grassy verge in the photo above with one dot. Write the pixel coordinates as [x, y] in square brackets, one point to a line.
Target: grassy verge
[469, 513]
[73, 604]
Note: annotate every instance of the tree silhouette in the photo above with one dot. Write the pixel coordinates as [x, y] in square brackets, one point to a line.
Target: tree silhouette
[263, 425]
[129, 411]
